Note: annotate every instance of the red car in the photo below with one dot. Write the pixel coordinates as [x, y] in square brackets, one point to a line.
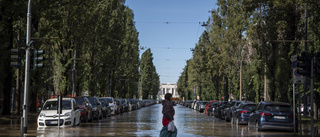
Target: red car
[85, 109]
[208, 105]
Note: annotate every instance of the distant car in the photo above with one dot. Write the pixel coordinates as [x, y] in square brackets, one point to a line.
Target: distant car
[228, 111]
[85, 108]
[241, 115]
[212, 108]
[96, 107]
[207, 106]
[272, 115]
[112, 104]
[201, 106]
[106, 111]
[217, 111]
[49, 117]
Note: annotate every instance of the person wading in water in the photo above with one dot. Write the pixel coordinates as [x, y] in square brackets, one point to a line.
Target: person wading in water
[168, 113]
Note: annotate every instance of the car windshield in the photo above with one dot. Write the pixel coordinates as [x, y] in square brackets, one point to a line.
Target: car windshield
[79, 101]
[278, 108]
[53, 105]
[249, 107]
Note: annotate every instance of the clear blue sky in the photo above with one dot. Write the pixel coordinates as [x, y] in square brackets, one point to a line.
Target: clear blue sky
[170, 28]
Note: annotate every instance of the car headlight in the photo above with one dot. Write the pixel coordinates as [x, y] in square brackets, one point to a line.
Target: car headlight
[42, 115]
[68, 114]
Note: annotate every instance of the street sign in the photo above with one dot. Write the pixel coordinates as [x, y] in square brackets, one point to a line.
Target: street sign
[297, 78]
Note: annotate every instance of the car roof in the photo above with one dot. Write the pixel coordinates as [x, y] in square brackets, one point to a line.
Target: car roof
[247, 102]
[274, 103]
[55, 99]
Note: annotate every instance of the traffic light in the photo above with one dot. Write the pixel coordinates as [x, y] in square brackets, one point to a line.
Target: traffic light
[317, 64]
[36, 59]
[15, 58]
[305, 64]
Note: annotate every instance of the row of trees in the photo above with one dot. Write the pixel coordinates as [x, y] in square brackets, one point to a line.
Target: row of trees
[247, 47]
[102, 35]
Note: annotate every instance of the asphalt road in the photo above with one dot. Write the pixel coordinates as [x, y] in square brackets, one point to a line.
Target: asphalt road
[144, 122]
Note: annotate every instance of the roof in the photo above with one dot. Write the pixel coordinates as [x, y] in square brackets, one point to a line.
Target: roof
[55, 99]
[275, 103]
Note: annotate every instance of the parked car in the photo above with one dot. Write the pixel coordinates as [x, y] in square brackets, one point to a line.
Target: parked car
[112, 104]
[272, 115]
[217, 111]
[228, 111]
[106, 111]
[85, 108]
[134, 104]
[49, 117]
[207, 106]
[241, 115]
[201, 106]
[96, 107]
[125, 105]
[212, 108]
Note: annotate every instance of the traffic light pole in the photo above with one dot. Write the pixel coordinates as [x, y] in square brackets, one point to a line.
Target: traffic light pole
[27, 74]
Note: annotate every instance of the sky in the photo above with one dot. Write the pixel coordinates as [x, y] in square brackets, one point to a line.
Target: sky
[170, 28]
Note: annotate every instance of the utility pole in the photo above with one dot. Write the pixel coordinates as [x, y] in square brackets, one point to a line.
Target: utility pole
[27, 74]
[73, 71]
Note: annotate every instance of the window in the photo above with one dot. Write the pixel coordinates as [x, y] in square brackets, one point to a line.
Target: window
[164, 91]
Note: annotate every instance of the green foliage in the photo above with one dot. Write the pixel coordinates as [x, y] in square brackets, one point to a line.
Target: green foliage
[244, 36]
[101, 32]
[149, 78]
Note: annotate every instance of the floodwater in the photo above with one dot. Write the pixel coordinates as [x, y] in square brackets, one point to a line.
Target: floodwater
[146, 122]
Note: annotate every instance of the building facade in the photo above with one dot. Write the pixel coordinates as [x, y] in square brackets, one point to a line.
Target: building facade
[167, 88]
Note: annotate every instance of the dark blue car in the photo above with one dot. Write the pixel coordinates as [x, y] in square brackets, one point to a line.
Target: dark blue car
[272, 115]
[241, 115]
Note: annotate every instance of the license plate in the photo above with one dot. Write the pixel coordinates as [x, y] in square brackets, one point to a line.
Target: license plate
[53, 122]
[279, 117]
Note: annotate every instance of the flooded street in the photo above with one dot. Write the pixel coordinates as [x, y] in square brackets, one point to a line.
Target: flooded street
[145, 122]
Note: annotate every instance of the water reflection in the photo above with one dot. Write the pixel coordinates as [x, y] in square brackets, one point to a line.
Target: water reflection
[147, 122]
